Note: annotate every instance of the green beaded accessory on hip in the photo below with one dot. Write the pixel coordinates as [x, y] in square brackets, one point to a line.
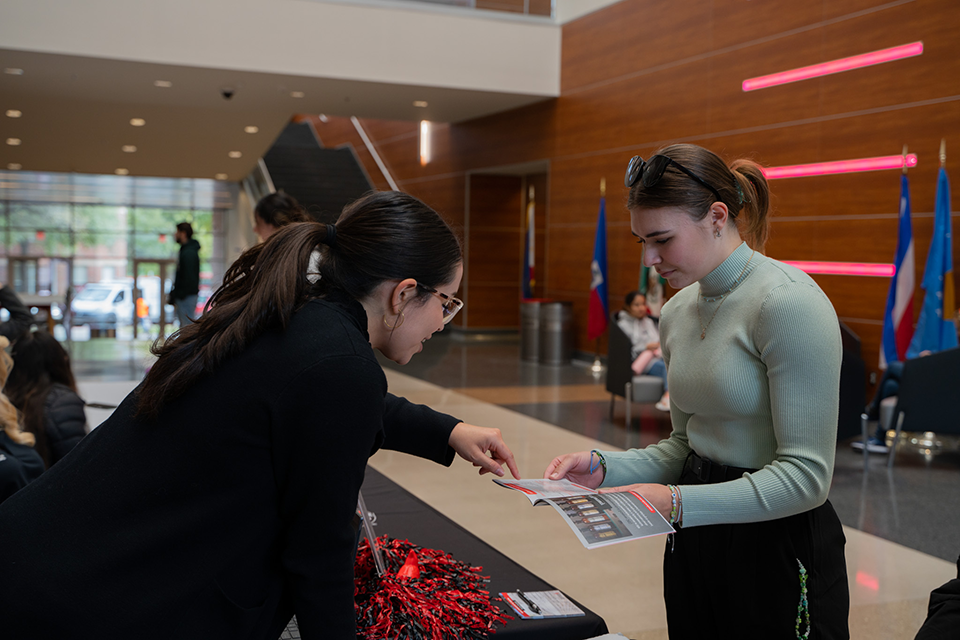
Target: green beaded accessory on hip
[803, 609]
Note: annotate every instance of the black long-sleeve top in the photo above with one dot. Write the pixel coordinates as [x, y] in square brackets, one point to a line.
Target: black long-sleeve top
[230, 512]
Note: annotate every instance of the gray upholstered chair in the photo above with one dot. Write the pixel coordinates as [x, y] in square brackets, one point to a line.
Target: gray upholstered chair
[621, 380]
[928, 399]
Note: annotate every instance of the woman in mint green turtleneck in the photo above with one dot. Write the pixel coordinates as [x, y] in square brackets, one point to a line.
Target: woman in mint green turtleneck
[752, 348]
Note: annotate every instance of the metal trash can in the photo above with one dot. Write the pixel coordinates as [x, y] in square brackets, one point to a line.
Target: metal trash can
[556, 332]
[530, 330]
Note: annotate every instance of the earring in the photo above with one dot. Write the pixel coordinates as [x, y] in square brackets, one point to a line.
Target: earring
[399, 321]
[717, 232]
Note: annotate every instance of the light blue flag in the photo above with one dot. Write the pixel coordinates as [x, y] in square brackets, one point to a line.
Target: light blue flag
[935, 328]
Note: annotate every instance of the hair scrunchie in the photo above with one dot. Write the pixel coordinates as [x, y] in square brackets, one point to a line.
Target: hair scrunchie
[331, 239]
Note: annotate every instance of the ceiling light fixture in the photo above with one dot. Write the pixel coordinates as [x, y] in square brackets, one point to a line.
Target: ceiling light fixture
[420, 103]
[166, 84]
[137, 122]
[14, 166]
[129, 148]
[13, 71]
[221, 176]
[235, 154]
[13, 142]
[14, 113]
[424, 142]
[297, 94]
[251, 129]
[122, 172]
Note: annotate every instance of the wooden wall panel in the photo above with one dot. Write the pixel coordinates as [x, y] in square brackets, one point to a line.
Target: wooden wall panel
[640, 74]
[631, 38]
[494, 251]
[733, 19]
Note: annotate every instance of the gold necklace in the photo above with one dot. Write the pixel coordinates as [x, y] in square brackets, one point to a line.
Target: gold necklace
[723, 296]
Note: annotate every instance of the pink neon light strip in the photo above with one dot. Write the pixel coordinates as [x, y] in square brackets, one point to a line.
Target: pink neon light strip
[840, 166]
[834, 66]
[845, 268]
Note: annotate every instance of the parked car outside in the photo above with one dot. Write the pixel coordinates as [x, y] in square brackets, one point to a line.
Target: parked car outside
[111, 303]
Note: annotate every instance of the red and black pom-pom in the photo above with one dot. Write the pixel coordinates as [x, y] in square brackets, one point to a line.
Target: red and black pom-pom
[447, 601]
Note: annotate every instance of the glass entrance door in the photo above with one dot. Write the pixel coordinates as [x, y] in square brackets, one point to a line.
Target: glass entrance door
[153, 317]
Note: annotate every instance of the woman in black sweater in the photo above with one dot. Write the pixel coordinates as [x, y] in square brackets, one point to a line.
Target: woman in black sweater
[219, 499]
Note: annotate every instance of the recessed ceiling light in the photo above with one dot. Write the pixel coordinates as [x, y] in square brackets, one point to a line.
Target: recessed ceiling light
[297, 94]
[13, 71]
[166, 84]
[420, 103]
[13, 142]
[220, 176]
[14, 113]
[251, 129]
[129, 148]
[137, 122]
[14, 166]
[122, 172]
[234, 154]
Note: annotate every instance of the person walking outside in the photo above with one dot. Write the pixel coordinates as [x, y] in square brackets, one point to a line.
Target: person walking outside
[186, 282]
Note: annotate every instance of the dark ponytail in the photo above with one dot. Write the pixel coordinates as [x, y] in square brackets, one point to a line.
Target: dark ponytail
[383, 236]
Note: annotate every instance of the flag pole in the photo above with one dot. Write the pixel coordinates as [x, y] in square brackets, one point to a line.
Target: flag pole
[597, 367]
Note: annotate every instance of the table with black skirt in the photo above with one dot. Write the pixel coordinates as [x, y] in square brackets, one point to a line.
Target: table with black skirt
[403, 516]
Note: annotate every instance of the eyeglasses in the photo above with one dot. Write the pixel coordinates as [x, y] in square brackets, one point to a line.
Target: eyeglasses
[649, 173]
[451, 305]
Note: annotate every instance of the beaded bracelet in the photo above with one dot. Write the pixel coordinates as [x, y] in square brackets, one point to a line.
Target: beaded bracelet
[600, 463]
[673, 503]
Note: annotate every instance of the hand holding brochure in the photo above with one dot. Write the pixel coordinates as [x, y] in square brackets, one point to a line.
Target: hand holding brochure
[597, 519]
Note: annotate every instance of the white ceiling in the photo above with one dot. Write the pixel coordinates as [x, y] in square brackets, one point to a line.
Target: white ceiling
[76, 113]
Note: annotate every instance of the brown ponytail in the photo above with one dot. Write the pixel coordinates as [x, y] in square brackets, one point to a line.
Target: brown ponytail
[741, 185]
[752, 221]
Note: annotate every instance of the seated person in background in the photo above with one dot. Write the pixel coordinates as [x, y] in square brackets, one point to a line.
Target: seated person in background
[42, 387]
[644, 335]
[20, 464]
[889, 386]
[20, 317]
[274, 211]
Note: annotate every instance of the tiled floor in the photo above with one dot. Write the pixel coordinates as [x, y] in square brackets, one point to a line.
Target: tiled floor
[901, 526]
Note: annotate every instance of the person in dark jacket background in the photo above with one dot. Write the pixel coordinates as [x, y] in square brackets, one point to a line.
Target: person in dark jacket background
[20, 317]
[186, 282]
[42, 387]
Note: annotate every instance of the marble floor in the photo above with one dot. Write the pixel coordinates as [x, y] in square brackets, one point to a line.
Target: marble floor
[901, 526]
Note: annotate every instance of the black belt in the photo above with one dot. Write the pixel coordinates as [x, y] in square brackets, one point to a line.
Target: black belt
[710, 472]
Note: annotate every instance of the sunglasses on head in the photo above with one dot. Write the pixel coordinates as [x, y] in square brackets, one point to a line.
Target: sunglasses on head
[649, 172]
[450, 304]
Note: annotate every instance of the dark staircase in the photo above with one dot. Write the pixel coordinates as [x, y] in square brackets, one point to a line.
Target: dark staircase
[322, 180]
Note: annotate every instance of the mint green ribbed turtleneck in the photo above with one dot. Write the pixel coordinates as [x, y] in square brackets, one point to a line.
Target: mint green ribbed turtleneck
[761, 391]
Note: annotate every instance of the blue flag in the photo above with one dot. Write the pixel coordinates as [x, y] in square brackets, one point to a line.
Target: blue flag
[598, 312]
[935, 328]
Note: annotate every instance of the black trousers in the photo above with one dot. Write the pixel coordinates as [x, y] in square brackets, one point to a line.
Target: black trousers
[743, 580]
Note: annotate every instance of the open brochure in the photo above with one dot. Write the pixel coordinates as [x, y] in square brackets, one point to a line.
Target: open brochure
[597, 519]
